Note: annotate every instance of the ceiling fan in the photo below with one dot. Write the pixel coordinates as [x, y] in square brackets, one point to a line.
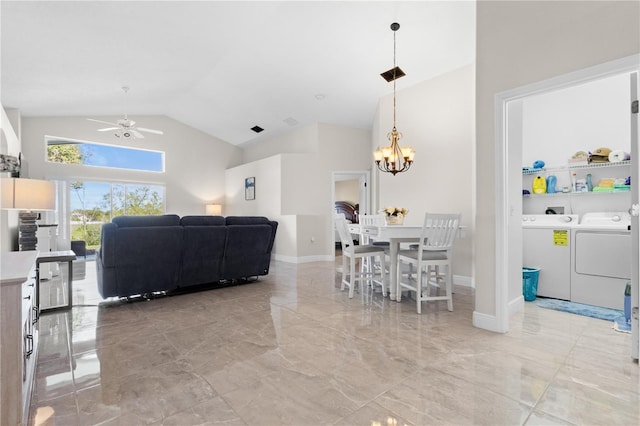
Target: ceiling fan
[125, 128]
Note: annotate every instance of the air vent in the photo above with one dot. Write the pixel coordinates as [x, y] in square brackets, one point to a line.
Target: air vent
[257, 129]
[393, 74]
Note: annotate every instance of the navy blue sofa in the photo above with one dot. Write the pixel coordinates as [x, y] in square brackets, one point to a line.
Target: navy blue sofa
[146, 254]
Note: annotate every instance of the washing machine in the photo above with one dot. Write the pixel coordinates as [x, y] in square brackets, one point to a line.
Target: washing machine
[601, 259]
[547, 246]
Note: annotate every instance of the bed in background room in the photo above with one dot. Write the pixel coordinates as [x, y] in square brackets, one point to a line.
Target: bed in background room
[350, 212]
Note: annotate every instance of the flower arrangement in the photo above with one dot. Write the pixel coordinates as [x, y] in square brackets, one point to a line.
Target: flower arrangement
[395, 215]
[395, 211]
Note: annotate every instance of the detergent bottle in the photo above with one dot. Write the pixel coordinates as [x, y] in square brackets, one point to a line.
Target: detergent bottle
[539, 185]
[551, 184]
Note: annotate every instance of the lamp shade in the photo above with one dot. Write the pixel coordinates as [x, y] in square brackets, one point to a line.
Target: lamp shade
[214, 209]
[28, 194]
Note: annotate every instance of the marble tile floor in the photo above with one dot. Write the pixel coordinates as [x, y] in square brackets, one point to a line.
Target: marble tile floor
[292, 349]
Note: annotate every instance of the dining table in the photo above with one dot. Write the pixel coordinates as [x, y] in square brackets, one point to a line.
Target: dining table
[395, 235]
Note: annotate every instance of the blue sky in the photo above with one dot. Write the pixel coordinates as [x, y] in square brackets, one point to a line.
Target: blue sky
[92, 194]
[122, 158]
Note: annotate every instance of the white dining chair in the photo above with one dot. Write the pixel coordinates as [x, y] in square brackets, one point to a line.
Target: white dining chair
[434, 250]
[371, 220]
[354, 252]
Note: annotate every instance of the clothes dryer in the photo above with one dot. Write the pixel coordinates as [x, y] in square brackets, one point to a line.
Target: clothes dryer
[601, 259]
[547, 246]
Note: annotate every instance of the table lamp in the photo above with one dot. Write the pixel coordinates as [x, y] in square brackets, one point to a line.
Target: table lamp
[213, 209]
[28, 196]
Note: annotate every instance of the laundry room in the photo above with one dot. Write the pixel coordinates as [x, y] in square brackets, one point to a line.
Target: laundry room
[576, 191]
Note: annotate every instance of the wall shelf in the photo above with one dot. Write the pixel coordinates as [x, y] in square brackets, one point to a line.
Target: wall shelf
[573, 194]
[577, 167]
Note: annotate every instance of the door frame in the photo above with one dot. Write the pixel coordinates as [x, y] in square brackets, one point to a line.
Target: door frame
[507, 267]
[635, 219]
[364, 176]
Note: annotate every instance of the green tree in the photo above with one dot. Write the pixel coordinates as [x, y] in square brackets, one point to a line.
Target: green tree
[85, 215]
[65, 153]
[134, 200]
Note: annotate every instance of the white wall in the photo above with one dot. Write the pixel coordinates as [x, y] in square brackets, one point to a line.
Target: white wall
[584, 117]
[9, 145]
[267, 192]
[523, 42]
[297, 141]
[267, 202]
[436, 117]
[581, 118]
[304, 187]
[348, 190]
[295, 231]
[194, 162]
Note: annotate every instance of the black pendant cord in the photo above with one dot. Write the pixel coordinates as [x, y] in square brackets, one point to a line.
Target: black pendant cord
[394, 27]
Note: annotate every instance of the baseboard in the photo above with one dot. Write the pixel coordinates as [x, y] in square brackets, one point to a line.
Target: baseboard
[516, 305]
[486, 322]
[303, 259]
[464, 281]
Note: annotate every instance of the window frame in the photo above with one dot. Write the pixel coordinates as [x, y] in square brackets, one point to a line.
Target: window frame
[72, 141]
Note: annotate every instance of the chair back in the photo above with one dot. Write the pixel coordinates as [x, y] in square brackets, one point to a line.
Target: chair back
[439, 231]
[343, 231]
[370, 220]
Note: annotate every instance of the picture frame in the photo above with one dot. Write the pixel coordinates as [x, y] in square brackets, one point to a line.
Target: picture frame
[250, 188]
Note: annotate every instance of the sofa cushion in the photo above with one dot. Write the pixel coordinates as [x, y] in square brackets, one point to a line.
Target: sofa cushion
[202, 221]
[137, 221]
[247, 252]
[148, 258]
[203, 254]
[247, 220]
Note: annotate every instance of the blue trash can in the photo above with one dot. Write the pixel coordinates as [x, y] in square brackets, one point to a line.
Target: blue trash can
[530, 283]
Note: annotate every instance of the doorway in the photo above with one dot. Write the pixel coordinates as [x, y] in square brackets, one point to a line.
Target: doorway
[509, 118]
[351, 188]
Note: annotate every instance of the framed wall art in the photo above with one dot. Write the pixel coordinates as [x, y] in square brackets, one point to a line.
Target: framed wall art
[250, 188]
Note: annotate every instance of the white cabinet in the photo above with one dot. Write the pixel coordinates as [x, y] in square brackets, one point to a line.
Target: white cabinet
[19, 319]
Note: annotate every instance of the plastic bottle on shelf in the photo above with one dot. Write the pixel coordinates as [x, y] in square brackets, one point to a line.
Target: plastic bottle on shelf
[589, 183]
[573, 181]
[551, 184]
[539, 185]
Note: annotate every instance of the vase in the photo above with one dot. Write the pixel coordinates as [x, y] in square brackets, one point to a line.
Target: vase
[395, 220]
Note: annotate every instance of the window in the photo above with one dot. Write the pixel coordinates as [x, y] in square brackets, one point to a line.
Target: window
[95, 203]
[92, 154]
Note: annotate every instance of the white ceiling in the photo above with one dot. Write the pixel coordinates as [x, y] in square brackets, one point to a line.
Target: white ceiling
[223, 67]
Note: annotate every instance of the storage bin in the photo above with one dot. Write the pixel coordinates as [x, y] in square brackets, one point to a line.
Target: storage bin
[530, 283]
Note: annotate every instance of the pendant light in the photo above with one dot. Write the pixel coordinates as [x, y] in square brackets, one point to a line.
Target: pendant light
[394, 159]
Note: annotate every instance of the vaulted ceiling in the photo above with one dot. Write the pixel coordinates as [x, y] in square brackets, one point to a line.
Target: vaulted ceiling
[224, 67]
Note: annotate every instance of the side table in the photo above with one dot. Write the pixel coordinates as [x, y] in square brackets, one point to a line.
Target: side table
[56, 256]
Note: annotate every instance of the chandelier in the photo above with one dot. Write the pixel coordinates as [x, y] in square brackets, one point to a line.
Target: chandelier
[394, 159]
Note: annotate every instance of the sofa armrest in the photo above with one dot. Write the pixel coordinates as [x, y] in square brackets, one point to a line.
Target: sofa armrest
[107, 254]
[247, 251]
